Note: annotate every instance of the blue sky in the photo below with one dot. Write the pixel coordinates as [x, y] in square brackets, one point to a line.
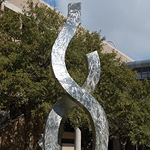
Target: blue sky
[51, 2]
[126, 23]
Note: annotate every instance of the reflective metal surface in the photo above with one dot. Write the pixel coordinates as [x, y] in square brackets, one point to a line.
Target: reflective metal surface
[76, 96]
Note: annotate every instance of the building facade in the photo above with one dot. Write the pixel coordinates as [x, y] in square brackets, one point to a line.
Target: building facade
[142, 68]
[17, 5]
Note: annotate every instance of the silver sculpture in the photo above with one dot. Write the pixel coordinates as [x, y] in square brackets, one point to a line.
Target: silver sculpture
[76, 96]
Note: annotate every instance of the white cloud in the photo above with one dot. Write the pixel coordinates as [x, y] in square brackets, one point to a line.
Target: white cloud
[126, 23]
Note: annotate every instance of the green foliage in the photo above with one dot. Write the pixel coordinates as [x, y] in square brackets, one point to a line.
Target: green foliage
[121, 97]
[139, 123]
[26, 42]
[27, 84]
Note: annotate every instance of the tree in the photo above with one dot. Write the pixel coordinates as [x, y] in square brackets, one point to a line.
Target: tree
[121, 96]
[26, 82]
[139, 121]
[27, 85]
[118, 91]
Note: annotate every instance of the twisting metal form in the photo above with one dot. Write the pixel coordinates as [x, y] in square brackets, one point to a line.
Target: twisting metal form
[76, 96]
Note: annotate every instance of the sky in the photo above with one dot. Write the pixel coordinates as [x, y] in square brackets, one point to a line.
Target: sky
[126, 23]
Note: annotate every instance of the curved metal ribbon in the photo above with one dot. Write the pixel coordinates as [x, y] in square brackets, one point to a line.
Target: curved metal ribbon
[75, 95]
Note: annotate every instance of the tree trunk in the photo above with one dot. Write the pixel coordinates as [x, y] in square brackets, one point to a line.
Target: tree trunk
[27, 128]
[87, 139]
[136, 146]
[123, 145]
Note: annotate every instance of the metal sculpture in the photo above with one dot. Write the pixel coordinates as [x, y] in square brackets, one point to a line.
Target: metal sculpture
[76, 96]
